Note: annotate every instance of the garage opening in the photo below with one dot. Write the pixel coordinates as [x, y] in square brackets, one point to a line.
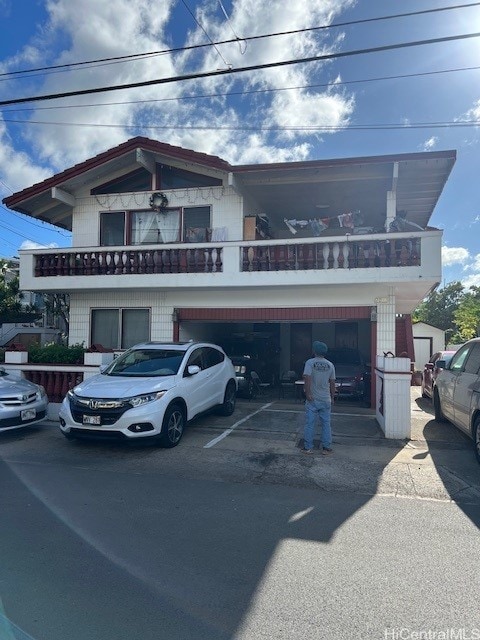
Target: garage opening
[278, 350]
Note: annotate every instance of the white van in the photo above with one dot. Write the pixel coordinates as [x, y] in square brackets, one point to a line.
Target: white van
[456, 396]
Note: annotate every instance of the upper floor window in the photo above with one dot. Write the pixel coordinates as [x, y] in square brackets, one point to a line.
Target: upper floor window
[138, 180]
[190, 224]
[173, 178]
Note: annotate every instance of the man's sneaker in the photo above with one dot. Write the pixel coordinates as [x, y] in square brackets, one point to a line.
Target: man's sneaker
[307, 451]
[326, 451]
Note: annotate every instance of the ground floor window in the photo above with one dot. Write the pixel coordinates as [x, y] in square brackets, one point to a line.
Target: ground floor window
[119, 328]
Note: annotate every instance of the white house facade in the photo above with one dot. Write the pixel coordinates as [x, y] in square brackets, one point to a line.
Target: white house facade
[169, 244]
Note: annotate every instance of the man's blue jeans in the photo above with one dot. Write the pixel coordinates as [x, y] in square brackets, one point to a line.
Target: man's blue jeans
[322, 409]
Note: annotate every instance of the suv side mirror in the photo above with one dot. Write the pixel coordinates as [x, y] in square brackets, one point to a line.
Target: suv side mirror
[193, 369]
[441, 364]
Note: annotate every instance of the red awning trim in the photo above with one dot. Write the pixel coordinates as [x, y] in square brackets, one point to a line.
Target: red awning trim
[279, 314]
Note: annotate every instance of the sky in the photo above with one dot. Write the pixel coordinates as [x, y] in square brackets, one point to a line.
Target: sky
[430, 93]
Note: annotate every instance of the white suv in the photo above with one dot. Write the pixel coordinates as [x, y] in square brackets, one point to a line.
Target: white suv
[456, 394]
[153, 389]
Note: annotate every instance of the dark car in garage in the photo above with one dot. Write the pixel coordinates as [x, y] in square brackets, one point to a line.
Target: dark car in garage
[352, 373]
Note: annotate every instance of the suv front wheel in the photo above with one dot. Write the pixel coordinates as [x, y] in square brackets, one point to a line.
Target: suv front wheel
[173, 426]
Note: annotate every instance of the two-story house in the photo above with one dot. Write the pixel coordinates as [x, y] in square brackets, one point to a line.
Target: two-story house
[170, 244]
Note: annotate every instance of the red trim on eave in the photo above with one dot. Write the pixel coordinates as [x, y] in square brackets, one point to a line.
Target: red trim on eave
[139, 142]
[285, 314]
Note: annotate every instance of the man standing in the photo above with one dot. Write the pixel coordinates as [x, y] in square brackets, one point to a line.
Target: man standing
[319, 377]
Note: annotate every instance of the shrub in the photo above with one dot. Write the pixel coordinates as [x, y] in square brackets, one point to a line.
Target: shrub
[2, 354]
[56, 354]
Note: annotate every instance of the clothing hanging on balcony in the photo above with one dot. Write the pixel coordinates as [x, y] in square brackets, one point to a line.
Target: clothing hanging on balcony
[345, 220]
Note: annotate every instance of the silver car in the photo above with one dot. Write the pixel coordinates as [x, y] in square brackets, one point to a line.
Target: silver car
[22, 403]
[456, 394]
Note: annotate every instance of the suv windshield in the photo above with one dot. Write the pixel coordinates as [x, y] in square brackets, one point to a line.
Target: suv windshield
[146, 362]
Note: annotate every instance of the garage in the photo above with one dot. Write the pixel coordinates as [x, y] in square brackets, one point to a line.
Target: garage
[279, 340]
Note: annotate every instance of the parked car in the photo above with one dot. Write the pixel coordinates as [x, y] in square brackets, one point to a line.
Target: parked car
[456, 394]
[151, 390]
[22, 403]
[431, 370]
[352, 373]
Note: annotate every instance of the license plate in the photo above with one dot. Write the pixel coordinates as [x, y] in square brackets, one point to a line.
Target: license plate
[28, 414]
[92, 420]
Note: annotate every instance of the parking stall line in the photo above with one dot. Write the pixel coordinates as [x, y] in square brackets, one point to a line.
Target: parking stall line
[228, 431]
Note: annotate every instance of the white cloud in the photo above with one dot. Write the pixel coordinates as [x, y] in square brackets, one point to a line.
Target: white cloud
[454, 255]
[473, 114]
[473, 280]
[136, 26]
[29, 244]
[429, 144]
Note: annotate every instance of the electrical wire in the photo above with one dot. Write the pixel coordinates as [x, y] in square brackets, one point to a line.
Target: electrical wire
[38, 225]
[221, 72]
[213, 127]
[136, 56]
[243, 92]
[201, 27]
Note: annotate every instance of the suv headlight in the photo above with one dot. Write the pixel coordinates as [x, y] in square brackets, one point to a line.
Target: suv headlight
[138, 401]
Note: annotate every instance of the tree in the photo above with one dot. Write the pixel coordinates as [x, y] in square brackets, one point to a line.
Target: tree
[439, 308]
[11, 308]
[58, 305]
[467, 316]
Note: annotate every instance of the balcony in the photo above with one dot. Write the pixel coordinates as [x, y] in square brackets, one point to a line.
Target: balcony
[343, 259]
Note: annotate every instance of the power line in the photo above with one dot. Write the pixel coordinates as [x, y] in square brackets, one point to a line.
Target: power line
[246, 91]
[38, 225]
[221, 72]
[135, 56]
[313, 128]
[201, 27]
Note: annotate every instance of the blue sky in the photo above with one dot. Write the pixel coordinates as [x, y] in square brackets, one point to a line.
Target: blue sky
[42, 138]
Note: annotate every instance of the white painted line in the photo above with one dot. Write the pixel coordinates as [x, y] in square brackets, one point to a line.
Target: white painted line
[342, 415]
[228, 431]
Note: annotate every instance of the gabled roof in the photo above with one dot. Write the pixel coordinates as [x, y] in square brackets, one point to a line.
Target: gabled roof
[308, 188]
[107, 157]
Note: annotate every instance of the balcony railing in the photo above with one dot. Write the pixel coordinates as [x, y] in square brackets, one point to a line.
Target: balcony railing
[356, 254]
[129, 261]
[254, 256]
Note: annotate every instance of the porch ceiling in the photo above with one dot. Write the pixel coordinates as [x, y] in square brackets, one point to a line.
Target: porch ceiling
[328, 191]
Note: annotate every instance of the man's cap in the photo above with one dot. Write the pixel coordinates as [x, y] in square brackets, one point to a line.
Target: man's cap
[319, 348]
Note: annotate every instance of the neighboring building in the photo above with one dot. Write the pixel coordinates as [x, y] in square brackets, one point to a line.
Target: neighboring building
[173, 244]
[23, 327]
[427, 341]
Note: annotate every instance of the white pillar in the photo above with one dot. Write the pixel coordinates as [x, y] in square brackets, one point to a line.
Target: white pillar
[392, 406]
[385, 323]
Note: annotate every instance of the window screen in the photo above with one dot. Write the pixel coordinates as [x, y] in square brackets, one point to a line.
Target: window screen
[112, 229]
[173, 178]
[120, 328]
[139, 180]
[196, 223]
[135, 327]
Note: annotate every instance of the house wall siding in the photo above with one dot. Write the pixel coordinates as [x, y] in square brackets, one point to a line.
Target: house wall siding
[226, 204]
